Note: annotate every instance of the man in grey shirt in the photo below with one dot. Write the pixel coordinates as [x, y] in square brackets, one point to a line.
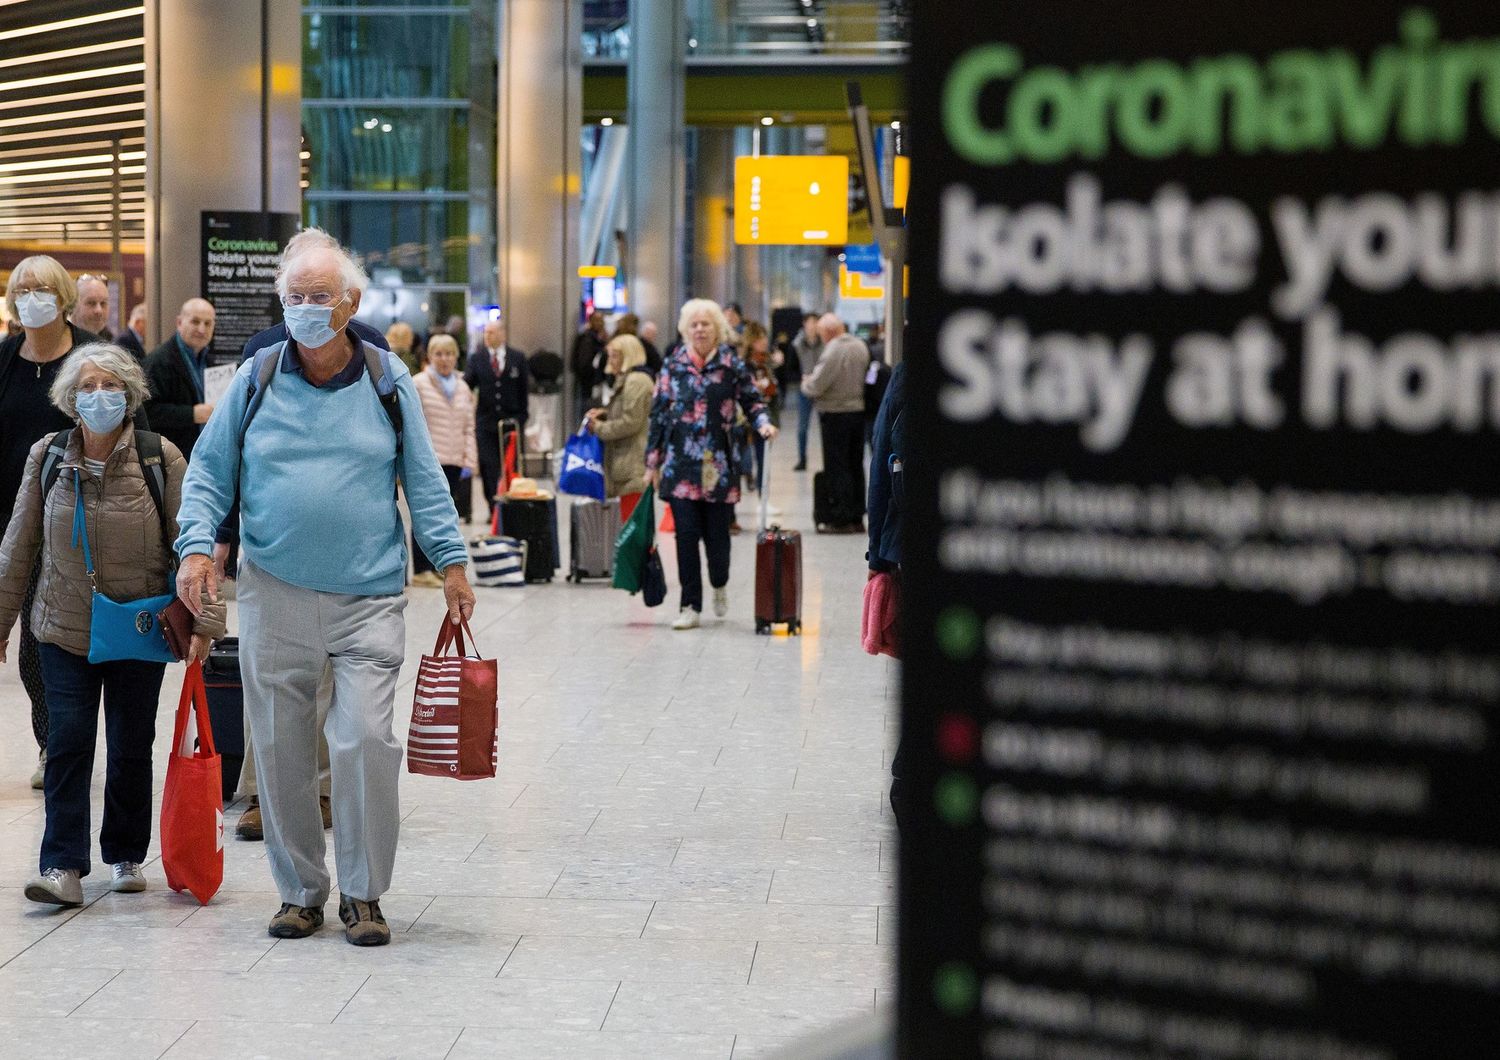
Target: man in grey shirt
[837, 387]
[808, 346]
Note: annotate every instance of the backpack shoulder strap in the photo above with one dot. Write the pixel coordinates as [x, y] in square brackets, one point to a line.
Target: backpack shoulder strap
[57, 448]
[148, 450]
[377, 364]
[261, 373]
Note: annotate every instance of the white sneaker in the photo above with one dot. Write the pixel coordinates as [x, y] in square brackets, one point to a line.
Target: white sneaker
[39, 778]
[687, 618]
[56, 887]
[721, 601]
[129, 878]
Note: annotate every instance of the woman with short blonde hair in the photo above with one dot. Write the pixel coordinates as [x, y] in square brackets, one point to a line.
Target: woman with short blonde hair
[39, 294]
[448, 407]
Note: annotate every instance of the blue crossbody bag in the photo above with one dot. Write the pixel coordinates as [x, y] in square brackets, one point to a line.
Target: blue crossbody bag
[119, 629]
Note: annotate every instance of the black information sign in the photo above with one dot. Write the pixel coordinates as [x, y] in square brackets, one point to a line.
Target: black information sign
[240, 251]
[1203, 532]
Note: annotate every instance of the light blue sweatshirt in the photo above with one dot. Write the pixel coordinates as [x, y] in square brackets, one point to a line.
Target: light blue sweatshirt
[318, 488]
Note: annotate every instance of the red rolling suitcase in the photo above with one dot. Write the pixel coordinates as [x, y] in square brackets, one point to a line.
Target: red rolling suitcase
[778, 570]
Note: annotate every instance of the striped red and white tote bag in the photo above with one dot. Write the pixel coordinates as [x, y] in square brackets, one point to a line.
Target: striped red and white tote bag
[455, 714]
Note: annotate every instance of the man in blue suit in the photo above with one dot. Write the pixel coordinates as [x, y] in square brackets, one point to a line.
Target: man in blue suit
[497, 373]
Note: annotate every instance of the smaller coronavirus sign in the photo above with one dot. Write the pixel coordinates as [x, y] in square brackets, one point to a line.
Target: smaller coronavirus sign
[782, 200]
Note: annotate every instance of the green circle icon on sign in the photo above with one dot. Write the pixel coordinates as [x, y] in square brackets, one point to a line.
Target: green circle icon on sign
[955, 989]
[958, 633]
[956, 798]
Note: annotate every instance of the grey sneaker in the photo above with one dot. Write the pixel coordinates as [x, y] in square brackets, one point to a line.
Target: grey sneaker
[128, 878]
[721, 601]
[39, 778]
[686, 618]
[56, 887]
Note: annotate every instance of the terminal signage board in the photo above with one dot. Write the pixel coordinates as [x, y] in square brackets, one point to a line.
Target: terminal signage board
[238, 254]
[1203, 532]
[784, 200]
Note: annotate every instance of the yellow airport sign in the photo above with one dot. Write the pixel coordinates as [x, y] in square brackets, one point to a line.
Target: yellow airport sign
[902, 181]
[857, 285]
[782, 200]
[596, 272]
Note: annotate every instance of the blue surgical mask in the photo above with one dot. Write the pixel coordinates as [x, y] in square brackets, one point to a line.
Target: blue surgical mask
[37, 309]
[101, 410]
[310, 325]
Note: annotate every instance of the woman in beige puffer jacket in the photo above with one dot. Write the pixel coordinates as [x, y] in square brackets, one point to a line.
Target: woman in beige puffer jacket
[448, 408]
[99, 386]
[622, 425]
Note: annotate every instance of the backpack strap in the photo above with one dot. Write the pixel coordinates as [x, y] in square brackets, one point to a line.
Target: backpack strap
[264, 370]
[153, 470]
[57, 448]
[377, 364]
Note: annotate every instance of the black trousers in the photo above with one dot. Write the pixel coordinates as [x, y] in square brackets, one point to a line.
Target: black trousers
[31, 667]
[844, 463]
[708, 522]
[462, 490]
[489, 465]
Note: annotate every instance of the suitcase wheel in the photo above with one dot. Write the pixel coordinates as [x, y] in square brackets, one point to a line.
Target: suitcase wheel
[762, 628]
[794, 629]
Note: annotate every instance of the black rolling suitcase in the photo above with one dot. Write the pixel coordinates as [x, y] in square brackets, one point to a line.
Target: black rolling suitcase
[226, 710]
[535, 522]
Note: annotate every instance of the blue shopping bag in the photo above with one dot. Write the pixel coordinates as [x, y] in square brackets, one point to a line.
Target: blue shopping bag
[583, 465]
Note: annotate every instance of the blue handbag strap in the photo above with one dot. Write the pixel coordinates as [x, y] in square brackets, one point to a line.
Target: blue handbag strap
[81, 529]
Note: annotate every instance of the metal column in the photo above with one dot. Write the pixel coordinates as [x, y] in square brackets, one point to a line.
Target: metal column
[656, 172]
[539, 164]
[233, 148]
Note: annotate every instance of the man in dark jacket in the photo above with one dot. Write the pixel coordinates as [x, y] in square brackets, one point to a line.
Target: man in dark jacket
[497, 373]
[177, 405]
[588, 358]
[133, 337]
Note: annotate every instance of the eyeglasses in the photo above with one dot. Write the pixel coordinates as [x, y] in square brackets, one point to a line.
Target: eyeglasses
[114, 386]
[45, 288]
[318, 298]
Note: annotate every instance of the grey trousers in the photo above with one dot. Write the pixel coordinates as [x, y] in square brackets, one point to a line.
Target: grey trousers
[248, 787]
[288, 636]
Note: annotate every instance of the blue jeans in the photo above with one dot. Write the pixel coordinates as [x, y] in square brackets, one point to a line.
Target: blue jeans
[804, 421]
[709, 522]
[130, 691]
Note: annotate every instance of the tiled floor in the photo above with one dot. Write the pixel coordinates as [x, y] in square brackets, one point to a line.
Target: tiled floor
[687, 853]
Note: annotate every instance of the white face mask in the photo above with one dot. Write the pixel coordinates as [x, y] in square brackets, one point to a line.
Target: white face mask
[37, 309]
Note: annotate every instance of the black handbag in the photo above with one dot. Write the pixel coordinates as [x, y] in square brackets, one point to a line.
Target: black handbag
[653, 579]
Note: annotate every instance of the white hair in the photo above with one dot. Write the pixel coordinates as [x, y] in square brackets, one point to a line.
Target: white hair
[694, 306]
[112, 359]
[351, 276]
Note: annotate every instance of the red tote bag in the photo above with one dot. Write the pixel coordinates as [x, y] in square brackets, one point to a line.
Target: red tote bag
[192, 807]
[455, 714]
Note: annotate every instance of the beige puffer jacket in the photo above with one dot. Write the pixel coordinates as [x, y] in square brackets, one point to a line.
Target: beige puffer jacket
[623, 431]
[450, 423]
[130, 557]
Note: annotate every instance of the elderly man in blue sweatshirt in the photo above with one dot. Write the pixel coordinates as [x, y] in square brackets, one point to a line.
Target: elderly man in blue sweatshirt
[321, 584]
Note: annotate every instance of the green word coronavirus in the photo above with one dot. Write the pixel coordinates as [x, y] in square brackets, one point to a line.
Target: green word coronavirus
[1418, 91]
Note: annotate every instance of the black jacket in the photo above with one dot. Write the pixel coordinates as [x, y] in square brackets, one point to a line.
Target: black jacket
[174, 392]
[502, 399]
[588, 360]
[128, 342]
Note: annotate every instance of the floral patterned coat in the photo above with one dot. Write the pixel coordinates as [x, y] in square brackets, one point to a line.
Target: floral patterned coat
[692, 418]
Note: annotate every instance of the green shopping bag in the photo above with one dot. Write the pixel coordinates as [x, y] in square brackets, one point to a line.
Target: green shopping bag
[634, 541]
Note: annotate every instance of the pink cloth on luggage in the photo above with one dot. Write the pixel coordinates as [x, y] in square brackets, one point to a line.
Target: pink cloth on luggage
[882, 605]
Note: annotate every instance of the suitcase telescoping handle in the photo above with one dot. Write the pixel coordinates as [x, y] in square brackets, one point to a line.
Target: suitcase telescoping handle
[765, 488]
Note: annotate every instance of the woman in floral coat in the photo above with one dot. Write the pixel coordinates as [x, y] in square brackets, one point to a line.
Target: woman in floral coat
[689, 453]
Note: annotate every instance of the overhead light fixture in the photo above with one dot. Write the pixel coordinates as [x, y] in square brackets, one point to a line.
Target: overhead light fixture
[77, 174]
[370, 123]
[71, 23]
[305, 155]
[895, 125]
[606, 122]
[76, 75]
[692, 42]
[768, 120]
[386, 127]
[51, 163]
